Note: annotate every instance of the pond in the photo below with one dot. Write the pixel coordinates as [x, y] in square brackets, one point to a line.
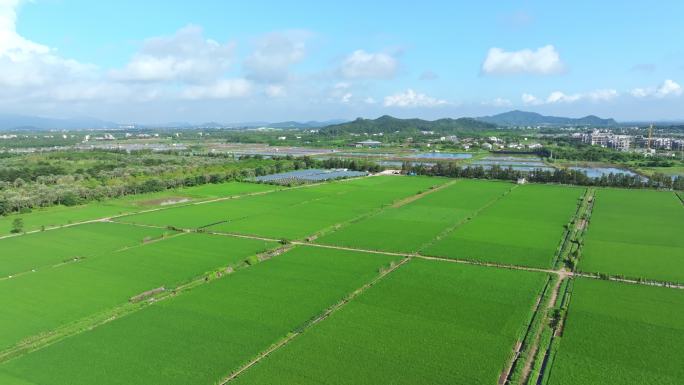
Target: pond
[518, 167]
[439, 155]
[394, 163]
[597, 172]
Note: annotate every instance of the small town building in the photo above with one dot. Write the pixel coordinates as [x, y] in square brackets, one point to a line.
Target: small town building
[368, 143]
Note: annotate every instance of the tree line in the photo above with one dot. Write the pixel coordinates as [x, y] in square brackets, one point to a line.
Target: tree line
[562, 176]
[74, 178]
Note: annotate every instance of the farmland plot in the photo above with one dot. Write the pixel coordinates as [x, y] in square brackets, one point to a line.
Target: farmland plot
[636, 233]
[524, 228]
[62, 215]
[407, 228]
[349, 200]
[47, 299]
[38, 250]
[293, 213]
[428, 322]
[618, 333]
[202, 335]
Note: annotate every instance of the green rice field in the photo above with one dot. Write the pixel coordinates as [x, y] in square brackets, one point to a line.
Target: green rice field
[294, 213]
[35, 251]
[200, 337]
[418, 326]
[374, 280]
[637, 234]
[62, 215]
[49, 298]
[618, 333]
[409, 227]
[525, 228]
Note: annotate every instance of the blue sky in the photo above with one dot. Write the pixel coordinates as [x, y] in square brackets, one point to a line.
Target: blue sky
[228, 61]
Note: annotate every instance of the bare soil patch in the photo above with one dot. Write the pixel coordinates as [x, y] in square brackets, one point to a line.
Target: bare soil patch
[166, 201]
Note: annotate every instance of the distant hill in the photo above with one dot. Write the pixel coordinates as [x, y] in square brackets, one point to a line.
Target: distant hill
[309, 124]
[388, 124]
[241, 125]
[25, 122]
[524, 118]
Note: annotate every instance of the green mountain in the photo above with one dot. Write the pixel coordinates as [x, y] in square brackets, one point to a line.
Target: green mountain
[524, 118]
[388, 124]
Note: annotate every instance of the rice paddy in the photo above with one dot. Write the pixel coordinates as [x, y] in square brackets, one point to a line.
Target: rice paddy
[618, 333]
[525, 228]
[636, 234]
[381, 279]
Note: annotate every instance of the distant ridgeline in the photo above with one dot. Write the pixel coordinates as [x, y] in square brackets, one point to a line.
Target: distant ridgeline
[388, 124]
[523, 118]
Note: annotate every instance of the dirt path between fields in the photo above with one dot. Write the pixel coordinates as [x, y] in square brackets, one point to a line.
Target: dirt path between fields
[430, 190]
[562, 273]
[529, 360]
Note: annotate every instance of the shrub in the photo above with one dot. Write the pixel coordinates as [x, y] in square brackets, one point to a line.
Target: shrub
[253, 260]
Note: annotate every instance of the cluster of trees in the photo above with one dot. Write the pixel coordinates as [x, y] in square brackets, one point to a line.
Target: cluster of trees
[563, 176]
[351, 164]
[586, 153]
[75, 177]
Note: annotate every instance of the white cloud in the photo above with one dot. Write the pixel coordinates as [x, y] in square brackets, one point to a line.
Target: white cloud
[221, 89]
[346, 97]
[275, 91]
[24, 63]
[185, 56]
[411, 98]
[275, 53]
[639, 92]
[558, 97]
[543, 61]
[369, 100]
[11, 43]
[668, 88]
[602, 95]
[530, 100]
[366, 65]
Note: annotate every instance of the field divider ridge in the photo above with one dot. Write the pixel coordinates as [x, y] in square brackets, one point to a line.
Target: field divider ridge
[433, 189]
[524, 348]
[544, 358]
